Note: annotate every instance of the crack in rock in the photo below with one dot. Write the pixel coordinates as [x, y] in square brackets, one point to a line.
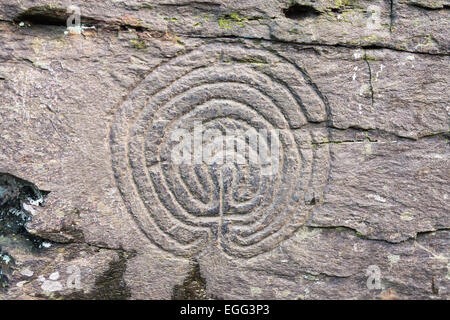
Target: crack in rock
[193, 287]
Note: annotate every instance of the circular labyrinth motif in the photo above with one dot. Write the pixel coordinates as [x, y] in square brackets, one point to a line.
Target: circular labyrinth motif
[224, 87]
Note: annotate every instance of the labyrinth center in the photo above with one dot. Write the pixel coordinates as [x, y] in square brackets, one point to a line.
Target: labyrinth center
[184, 208]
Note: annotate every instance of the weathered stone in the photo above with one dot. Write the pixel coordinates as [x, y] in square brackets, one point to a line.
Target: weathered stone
[357, 90]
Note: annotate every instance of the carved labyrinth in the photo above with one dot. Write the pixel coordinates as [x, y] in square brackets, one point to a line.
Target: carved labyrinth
[183, 208]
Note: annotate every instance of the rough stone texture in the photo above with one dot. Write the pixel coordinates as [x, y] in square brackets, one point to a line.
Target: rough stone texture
[359, 90]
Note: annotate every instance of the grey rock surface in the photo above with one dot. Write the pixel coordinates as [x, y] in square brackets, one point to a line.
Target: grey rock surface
[91, 207]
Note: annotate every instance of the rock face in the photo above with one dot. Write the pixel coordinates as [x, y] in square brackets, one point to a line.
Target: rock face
[313, 139]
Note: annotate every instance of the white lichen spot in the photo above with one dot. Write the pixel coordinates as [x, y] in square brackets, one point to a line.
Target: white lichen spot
[309, 277]
[255, 291]
[282, 294]
[395, 237]
[29, 208]
[376, 197]
[46, 244]
[410, 58]
[393, 258]
[6, 258]
[27, 272]
[51, 286]
[20, 284]
[54, 276]
[407, 216]
[358, 55]
[437, 156]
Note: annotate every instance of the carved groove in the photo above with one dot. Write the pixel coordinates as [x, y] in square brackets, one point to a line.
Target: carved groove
[184, 208]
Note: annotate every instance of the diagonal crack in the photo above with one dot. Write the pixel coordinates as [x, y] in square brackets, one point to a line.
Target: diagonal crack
[370, 79]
